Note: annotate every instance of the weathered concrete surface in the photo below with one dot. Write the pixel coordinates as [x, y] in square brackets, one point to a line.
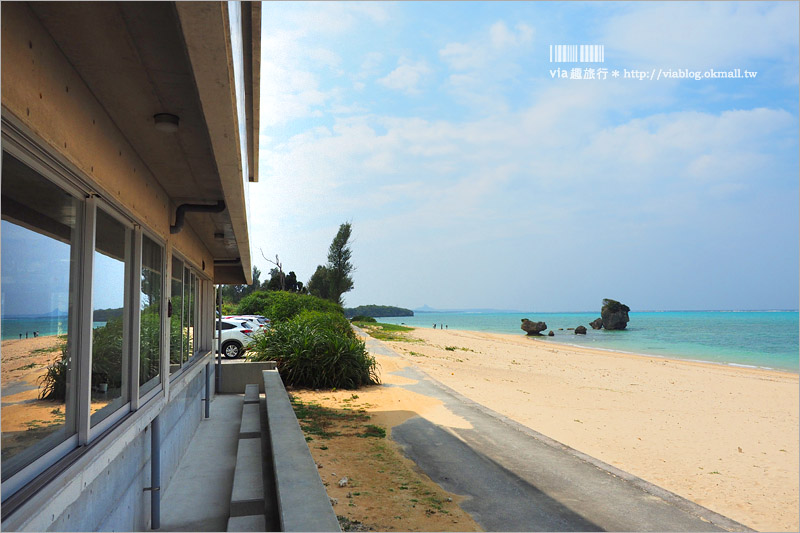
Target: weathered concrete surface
[236, 374]
[303, 503]
[516, 479]
[198, 496]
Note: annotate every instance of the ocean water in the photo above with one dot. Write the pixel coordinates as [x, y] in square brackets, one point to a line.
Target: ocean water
[12, 328]
[762, 339]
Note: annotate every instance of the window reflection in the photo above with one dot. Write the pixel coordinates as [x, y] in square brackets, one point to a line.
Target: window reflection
[150, 316]
[176, 337]
[109, 371]
[39, 231]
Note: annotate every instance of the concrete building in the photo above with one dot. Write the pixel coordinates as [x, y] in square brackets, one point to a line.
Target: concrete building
[129, 137]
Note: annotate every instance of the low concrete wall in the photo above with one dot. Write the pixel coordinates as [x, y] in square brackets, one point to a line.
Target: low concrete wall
[237, 374]
[303, 504]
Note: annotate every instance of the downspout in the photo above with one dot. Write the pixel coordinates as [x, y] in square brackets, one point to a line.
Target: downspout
[180, 213]
[218, 373]
[155, 473]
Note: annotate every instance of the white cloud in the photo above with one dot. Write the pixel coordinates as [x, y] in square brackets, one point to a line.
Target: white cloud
[703, 34]
[487, 48]
[407, 76]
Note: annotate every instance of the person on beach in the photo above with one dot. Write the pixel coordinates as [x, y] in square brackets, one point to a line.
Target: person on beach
[434, 326]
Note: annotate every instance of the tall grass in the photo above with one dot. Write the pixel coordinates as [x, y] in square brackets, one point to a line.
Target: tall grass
[317, 350]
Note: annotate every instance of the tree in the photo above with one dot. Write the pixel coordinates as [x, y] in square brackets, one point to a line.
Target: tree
[318, 285]
[339, 265]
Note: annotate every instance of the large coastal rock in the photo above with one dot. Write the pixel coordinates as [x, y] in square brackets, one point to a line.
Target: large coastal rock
[614, 314]
[580, 330]
[596, 324]
[533, 328]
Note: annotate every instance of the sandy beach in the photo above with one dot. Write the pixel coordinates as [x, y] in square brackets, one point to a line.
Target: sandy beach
[723, 437]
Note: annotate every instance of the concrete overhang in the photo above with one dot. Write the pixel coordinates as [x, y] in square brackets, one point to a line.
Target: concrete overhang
[144, 58]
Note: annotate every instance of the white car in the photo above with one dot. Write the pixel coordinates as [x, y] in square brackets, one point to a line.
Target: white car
[237, 335]
[261, 321]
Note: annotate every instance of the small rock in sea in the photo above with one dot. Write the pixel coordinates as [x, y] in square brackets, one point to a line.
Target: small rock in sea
[570, 329]
[580, 330]
[343, 482]
[551, 334]
[334, 501]
[597, 323]
[560, 329]
[532, 328]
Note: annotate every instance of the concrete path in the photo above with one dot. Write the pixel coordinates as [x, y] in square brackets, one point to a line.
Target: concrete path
[516, 479]
[198, 497]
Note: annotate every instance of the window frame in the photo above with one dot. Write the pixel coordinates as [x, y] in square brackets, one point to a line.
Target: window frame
[33, 152]
[200, 283]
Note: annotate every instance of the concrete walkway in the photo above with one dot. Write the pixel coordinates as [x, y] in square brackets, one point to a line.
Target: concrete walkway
[198, 496]
[516, 479]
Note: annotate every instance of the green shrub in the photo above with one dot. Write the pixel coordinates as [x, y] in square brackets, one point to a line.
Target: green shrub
[280, 306]
[316, 350]
[362, 318]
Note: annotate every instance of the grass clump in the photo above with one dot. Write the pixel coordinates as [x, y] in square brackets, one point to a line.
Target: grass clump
[317, 350]
[387, 332]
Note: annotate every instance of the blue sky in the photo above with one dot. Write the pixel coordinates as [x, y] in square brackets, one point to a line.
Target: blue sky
[474, 177]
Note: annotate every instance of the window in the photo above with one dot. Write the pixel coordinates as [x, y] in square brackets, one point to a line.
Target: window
[40, 254]
[176, 336]
[150, 316]
[110, 368]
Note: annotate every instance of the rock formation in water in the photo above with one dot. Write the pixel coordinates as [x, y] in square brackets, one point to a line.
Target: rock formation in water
[580, 330]
[533, 328]
[596, 324]
[614, 314]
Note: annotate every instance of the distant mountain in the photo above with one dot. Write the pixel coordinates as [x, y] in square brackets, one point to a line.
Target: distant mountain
[428, 309]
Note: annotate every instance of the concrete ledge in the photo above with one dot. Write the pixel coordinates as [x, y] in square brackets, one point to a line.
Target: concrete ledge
[251, 393]
[236, 374]
[303, 504]
[248, 482]
[251, 422]
[247, 523]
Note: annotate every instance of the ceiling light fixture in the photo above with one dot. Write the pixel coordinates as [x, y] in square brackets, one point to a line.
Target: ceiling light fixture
[166, 122]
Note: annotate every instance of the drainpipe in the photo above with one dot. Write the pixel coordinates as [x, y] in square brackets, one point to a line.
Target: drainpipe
[218, 373]
[208, 390]
[155, 473]
[194, 208]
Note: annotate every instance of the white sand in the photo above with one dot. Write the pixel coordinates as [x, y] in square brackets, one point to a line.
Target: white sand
[723, 437]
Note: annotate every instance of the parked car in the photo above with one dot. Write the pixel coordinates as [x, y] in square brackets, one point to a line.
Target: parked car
[261, 321]
[237, 335]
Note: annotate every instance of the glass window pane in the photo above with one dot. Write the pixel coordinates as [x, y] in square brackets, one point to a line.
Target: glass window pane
[39, 230]
[150, 316]
[176, 320]
[187, 314]
[109, 370]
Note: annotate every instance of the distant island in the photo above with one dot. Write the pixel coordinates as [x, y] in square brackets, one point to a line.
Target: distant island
[428, 309]
[377, 311]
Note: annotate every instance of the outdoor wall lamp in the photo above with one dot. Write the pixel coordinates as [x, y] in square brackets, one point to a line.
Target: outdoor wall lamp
[166, 122]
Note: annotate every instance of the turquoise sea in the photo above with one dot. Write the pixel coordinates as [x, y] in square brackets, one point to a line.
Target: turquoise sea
[12, 328]
[762, 339]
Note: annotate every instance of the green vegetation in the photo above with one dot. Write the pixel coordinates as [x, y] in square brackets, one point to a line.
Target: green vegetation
[331, 281]
[316, 350]
[376, 311]
[613, 306]
[318, 421]
[386, 332]
[280, 306]
[362, 318]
